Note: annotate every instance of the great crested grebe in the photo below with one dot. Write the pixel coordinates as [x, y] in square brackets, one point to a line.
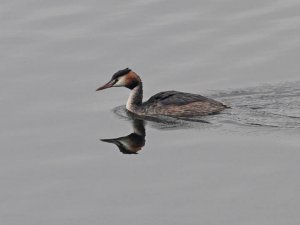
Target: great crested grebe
[169, 103]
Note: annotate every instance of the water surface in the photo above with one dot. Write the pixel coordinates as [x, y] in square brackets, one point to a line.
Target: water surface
[238, 167]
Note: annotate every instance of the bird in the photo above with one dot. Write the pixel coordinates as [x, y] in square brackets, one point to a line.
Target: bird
[166, 103]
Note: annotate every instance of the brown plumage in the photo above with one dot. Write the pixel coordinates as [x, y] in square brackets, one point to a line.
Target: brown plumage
[176, 103]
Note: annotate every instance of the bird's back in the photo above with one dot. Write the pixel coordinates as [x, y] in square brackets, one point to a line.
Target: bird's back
[177, 103]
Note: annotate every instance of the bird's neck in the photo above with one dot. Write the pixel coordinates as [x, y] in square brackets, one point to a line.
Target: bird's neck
[135, 98]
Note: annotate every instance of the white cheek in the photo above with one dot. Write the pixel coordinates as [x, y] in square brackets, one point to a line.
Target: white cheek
[121, 82]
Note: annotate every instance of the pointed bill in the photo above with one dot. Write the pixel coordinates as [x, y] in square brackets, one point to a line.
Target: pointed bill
[108, 85]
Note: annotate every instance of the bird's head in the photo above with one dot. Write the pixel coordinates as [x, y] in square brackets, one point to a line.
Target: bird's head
[122, 78]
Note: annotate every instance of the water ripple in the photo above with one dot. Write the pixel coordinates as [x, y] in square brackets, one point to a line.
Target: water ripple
[267, 106]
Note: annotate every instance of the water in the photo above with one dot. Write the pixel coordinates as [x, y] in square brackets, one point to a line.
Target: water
[238, 167]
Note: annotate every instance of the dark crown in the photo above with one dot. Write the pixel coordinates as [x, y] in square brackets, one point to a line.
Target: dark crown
[121, 73]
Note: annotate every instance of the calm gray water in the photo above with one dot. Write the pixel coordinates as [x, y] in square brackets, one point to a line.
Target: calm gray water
[238, 167]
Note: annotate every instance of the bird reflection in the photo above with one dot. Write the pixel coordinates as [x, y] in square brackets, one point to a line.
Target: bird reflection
[133, 142]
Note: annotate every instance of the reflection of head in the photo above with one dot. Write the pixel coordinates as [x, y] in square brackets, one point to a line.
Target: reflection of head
[133, 142]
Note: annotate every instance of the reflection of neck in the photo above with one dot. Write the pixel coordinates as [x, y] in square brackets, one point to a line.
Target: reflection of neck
[139, 127]
[135, 98]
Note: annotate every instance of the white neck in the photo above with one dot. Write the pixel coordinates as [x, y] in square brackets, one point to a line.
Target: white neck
[135, 98]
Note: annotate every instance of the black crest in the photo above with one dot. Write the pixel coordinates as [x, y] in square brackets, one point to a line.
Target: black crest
[121, 73]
